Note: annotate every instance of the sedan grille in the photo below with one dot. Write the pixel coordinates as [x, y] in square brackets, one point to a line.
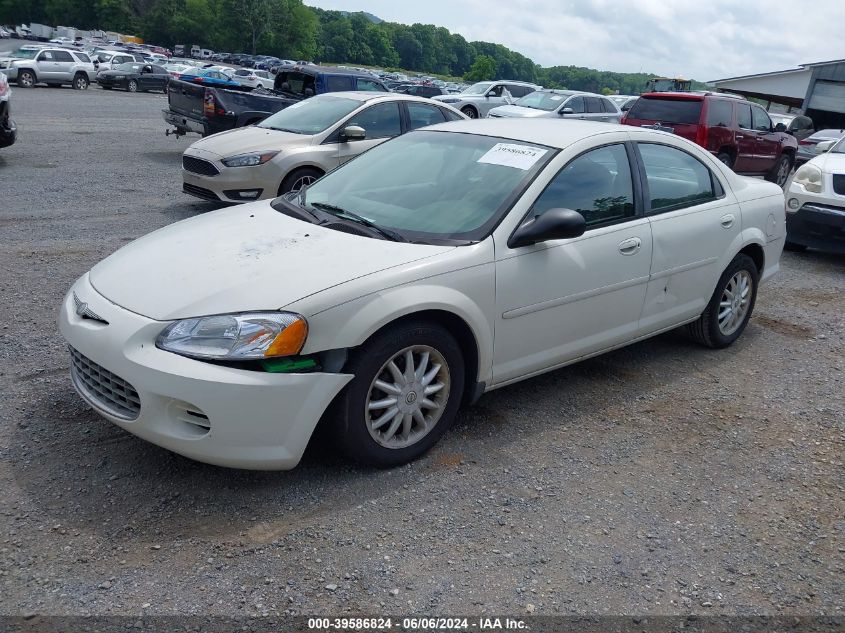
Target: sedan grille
[199, 166]
[199, 192]
[103, 389]
[839, 184]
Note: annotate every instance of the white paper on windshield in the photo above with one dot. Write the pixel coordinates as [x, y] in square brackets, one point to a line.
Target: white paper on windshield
[555, 98]
[513, 155]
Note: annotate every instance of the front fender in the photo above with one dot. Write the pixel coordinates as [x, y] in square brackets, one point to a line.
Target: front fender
[467, 294]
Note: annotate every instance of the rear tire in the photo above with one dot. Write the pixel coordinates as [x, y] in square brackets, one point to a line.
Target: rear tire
[387, 416]
[780, 172]
[80, 82]
[726, 158]
[726, 315]
[299, 178]
[132, 86]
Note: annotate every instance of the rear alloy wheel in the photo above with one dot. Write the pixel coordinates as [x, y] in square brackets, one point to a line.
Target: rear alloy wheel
[132, 86]
[471, 112]
[80, 82]
[780, 172]
[408, 384]
[26, 79]
[298, 179]
[730, 307]
[726, 158]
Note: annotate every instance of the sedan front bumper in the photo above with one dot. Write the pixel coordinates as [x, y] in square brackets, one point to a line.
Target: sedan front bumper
[214, 414]
[819, 220]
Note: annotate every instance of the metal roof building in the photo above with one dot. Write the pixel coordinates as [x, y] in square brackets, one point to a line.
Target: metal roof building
[818, 89]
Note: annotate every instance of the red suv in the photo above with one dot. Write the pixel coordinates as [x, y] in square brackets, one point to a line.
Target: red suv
[737, 131]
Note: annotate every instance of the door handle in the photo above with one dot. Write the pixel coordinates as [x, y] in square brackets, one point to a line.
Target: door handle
[727, 221]
[739, 136]
[630, 246]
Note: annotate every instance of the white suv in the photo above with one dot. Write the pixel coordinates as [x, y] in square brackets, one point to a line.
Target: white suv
[52, 66]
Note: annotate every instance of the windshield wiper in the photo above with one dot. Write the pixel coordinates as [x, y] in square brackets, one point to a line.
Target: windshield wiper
[279, 129]
[343, 213]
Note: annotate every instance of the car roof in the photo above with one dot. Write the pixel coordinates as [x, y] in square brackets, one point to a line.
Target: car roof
[372, 95]
[541, 131]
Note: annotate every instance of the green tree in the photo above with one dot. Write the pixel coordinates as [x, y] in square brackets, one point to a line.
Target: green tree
[483, 69]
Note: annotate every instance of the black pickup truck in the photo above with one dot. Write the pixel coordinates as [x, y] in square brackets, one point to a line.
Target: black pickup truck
[205, 110]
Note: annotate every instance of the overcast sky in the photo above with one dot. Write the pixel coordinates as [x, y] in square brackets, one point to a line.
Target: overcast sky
[699, 39]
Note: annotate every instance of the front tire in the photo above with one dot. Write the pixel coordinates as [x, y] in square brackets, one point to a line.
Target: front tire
[471, 112]
[726, 315]
[408, 384]
[298, 179]
[80, 82]
[780, 172]
[26, 79]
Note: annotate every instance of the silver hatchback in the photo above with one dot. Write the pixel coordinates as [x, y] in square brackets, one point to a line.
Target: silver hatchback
[567, 104]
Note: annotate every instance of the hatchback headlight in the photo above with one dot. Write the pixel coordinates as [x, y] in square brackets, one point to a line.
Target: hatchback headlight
[248, 160]
[810, 177]
[248, 336]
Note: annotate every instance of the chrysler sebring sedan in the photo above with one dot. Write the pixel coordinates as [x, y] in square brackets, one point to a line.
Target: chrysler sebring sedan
[437, 266]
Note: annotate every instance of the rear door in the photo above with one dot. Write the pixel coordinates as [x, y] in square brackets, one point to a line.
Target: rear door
[767, 139]
[694, 219]
[380, 121]
[595, 109]
[746, 140]
[64, 65]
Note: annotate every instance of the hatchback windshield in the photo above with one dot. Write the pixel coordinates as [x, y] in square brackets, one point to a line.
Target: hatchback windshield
[311, 116]
[540, 100]
[432, 186]
[479, 88]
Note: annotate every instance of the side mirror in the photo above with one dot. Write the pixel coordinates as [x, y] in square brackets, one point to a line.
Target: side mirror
[780, 127]
[353, 133]
[554, 224]
[567, 111]
[825, 146]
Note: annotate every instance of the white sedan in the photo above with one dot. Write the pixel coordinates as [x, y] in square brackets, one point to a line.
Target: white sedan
[815, 208]
[437, 266]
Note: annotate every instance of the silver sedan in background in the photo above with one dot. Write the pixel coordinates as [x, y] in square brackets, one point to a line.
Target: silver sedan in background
[569, 104]
[477, 100]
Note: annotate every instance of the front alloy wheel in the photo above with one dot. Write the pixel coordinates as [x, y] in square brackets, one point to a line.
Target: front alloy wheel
[408, 384]
[408, 396]
[132, 86]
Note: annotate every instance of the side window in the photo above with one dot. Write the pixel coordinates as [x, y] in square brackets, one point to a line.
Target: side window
[497, 90]
[762, 122]
[83, 58]
[158, 70]
[719, 113]
[596, 184]
[46, 56]
[594, 104]
[370, 85]
[676, 180]
[576, 103]
[380, 121]
[608, 106]
[338, 83]
[422, 114]
[450, 116]
[518, 91]
[743, 116]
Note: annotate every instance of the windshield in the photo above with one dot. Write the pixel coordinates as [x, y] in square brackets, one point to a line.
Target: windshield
[311, 116]
[128, 67]
[433, 186]
[539, 100]
[24, 54]
[479, 88]
[839, 148]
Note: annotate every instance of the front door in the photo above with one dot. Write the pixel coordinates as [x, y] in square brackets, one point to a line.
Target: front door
[380, 122]
[559, 300]
[767, 139]
[693, 219]
[746, 141]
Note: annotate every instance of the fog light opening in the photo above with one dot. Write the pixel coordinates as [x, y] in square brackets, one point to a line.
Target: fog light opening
[793, 204]
[243, 194]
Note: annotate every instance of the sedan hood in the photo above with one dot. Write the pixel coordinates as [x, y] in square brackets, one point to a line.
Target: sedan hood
[518, 112]
[249, 139]
[246, 258]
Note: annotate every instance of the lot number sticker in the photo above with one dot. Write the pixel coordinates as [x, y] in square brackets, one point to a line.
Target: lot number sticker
[512, 155]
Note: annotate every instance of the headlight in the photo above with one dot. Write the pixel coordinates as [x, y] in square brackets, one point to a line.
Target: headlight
[119, 77]
[248, 336]
[810, 177]
[248, 160]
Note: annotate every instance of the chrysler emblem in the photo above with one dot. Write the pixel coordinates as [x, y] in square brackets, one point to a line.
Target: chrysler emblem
[85, 312]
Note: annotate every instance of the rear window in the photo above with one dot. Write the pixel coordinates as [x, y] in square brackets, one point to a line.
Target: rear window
[666, 110]
[719, 113]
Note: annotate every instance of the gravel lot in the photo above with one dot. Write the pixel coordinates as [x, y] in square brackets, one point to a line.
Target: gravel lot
[659, 479]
